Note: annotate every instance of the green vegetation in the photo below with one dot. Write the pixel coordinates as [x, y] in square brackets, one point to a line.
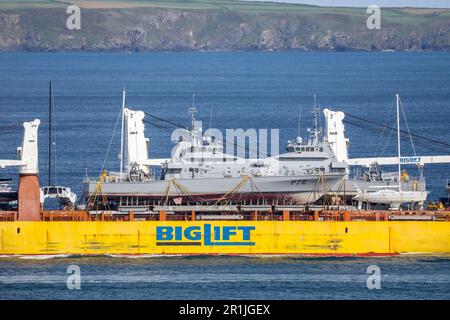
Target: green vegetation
[179, 4]
[21, 4]
[246, 7]
[152, 25]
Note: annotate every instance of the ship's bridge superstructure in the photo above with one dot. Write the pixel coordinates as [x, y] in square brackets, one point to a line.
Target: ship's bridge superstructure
[313, 155]
[193, 146]
[199, 155]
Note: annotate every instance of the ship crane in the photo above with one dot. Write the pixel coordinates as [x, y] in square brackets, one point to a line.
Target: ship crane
[28, 164]
[419, 160]
[339, 143]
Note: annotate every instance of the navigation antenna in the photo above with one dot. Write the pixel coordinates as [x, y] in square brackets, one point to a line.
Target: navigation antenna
[193, 111]
[299, 119]
[316, 113]
[210, 116]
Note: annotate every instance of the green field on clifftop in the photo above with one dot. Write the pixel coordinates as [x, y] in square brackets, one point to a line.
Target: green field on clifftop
[407, 15]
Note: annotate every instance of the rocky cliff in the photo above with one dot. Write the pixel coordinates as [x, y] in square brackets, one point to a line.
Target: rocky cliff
[171, 29]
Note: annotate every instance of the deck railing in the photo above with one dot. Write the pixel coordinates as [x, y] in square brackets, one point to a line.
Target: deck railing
[286, 215]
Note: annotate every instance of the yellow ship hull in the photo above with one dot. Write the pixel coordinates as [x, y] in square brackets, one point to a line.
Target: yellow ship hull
[224, 237]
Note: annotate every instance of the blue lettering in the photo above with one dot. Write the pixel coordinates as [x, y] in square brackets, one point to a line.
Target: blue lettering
[227, 232]
[178, 233]
[207, 234]
[193, 233]
[246, 232]
[164, 233]
[212, 236]
[410, 159]
[217, 233]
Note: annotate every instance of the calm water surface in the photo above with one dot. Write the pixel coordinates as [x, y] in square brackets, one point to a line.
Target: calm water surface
[224, 277]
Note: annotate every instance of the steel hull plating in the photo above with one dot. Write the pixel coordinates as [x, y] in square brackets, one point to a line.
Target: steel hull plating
[301, 189]
[225, 237]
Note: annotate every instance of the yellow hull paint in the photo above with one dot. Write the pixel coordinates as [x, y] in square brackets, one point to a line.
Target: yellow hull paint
[265, 237]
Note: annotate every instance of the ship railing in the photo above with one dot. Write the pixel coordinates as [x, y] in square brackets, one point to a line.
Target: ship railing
[115, 179]
[324, 214]
[108, 179]
[8, 215]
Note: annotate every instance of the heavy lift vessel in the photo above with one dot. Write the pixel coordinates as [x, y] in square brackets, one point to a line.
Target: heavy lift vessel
[212, 229]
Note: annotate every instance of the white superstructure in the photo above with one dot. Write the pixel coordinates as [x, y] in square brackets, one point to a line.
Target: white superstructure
[335, 134]
[135, 142]
[27, 154]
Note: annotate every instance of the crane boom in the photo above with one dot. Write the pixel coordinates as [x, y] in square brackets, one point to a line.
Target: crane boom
[28, 152]
[420, 160]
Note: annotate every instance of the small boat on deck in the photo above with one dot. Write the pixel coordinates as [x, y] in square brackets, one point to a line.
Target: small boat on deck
[7, 193]
[394, 196]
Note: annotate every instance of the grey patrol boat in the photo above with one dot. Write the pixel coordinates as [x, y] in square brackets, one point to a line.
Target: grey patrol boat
[199, 171]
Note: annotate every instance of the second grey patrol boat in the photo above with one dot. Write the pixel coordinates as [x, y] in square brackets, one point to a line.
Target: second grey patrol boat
[199, 171]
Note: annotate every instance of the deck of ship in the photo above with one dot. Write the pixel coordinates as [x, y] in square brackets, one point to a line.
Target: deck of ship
[238, 213]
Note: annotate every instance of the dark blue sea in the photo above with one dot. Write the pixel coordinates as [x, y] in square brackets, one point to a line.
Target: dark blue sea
[243, 90]
[224, 277]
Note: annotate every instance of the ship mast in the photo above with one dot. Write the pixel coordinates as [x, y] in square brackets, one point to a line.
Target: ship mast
[314, 134]
[50, 135]
[398, 142]
[193, 111]
[299, 120]
[122, 133]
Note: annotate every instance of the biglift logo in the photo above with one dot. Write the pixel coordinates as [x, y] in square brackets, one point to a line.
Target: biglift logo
[207, 235]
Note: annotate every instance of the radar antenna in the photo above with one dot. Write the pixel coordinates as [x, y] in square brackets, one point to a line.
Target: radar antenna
[193, 111]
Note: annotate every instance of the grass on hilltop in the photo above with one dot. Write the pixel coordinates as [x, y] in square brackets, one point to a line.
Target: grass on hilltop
[405, 15]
